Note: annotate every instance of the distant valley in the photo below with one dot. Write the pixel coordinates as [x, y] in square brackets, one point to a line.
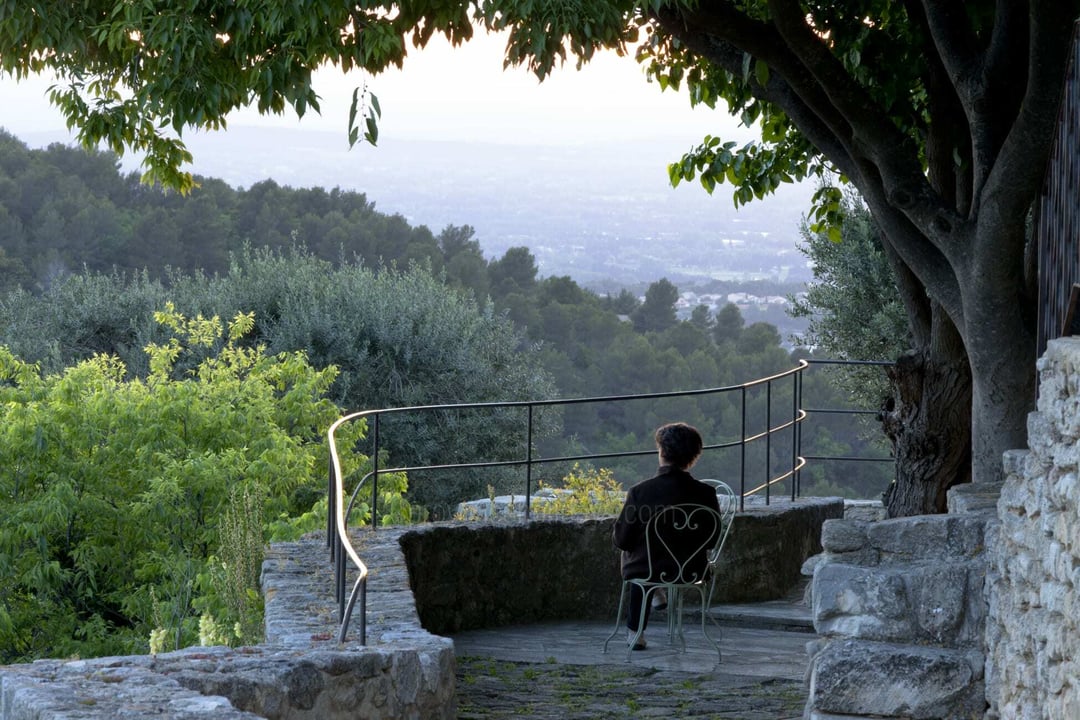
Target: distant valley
[605, 215]
[602, 214]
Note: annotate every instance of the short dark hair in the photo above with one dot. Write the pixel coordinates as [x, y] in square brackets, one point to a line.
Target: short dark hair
[679, 444]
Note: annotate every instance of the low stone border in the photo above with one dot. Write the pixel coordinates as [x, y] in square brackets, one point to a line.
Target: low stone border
[458, 575]
[300, 673]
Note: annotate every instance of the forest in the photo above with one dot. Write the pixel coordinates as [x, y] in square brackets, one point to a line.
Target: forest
[169, 363]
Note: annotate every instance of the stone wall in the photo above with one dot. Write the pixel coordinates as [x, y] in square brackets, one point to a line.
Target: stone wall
[1033, 637]
[300, 672]
[971, 614]
[470, 576]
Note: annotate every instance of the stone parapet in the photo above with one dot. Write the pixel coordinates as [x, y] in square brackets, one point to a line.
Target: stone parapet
[468, 576]
[300, 673]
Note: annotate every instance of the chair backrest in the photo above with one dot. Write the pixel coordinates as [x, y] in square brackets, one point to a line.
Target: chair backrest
[729, 504]
[679, 543]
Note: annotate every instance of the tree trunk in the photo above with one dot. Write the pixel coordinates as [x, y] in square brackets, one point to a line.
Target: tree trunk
[1000, 343]
[929, 424]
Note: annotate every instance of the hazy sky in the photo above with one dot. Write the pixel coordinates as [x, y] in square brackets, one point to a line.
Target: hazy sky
[464, 94]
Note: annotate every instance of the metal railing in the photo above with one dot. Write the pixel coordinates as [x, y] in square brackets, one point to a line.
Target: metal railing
[810, 411]
[775, 424]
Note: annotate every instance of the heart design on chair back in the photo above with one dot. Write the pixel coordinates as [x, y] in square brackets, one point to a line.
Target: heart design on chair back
[679, 542]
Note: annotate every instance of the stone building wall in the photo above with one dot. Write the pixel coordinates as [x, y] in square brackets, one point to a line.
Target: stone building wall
[1033, 634]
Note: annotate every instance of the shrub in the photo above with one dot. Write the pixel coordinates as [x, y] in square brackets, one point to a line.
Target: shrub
[132, 504]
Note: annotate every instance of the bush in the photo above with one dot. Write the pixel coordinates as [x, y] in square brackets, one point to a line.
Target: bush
[584, 492]
[133, 504]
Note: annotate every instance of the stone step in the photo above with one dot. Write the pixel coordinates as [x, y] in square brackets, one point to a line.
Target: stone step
[769, 615]
[857, 678]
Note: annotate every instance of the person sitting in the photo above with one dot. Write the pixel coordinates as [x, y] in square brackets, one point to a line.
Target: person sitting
[679, 446]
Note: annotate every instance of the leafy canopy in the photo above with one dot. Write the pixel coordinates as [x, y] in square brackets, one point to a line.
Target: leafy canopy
[136, 75]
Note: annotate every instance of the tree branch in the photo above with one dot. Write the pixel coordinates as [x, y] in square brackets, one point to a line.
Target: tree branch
[874, 135]
[777, 91]
[910, 255]
[1018, 172]
[912, 294]
[956, 45]
[947, 129]
[992, 109]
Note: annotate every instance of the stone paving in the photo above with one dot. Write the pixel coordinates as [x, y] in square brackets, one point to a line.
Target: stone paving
[557, 671]
[489, 689]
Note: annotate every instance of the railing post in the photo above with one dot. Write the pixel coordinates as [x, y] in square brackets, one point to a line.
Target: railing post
[742, 455]
[331, 506]
[363, 612]
[768, 441]
[528, 465]
[375, 478]
[796, 397]
[339, 586]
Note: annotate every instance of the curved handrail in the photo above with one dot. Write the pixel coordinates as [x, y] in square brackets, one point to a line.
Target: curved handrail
[343, 552]
[338, 512]
[340, 543]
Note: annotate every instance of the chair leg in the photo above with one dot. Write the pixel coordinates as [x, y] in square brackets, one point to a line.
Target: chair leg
[618, 615]
[675, 617]
[646, 598]
[704, 631]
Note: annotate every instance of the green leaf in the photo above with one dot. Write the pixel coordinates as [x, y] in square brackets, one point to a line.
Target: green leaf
[761, 73]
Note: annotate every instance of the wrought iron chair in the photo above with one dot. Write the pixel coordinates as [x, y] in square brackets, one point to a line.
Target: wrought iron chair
[729, 505]
[682, 545]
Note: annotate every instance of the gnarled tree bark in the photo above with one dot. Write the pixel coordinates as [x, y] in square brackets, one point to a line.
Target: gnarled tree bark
[928, 424]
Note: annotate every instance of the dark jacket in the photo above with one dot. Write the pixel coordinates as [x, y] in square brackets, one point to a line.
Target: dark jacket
[671, 486]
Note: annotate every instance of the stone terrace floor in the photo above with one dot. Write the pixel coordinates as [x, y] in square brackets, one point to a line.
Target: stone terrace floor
[559, 671]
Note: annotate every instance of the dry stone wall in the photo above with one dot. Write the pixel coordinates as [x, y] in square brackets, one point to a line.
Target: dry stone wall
[974, 614]
[1033, 637]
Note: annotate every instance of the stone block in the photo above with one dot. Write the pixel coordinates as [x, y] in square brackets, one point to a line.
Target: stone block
[838, 536]
[865, 510]
[928, 537]
[1013, 462]
[1055, 598]
[863, 678]
[938, 604]
[861, 602]
[973, 497]
[1041, 434]
[949, 604]
[1064, 491]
